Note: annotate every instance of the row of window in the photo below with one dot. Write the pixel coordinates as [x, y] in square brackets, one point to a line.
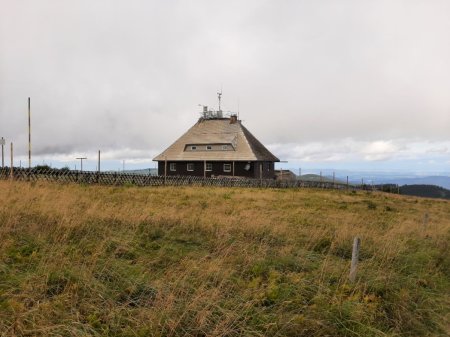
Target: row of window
[190, 167]
[207, 147]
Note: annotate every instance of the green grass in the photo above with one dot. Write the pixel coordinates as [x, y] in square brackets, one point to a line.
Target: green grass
[127, 261]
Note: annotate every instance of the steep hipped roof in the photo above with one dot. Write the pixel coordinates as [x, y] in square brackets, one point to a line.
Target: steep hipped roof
[218, 131]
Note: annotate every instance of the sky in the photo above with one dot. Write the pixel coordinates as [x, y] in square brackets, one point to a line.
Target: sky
[358, 85]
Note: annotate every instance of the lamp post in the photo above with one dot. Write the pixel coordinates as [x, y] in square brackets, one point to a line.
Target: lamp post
[81, 159]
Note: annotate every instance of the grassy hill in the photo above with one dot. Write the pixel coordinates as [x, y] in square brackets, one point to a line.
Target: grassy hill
[316, 177]
[125, 261]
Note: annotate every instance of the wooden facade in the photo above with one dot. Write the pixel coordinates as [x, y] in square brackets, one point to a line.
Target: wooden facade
[257, 169]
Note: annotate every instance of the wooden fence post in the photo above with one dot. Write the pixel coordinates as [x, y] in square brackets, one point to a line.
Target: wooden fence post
[98, 168]
[355, 258]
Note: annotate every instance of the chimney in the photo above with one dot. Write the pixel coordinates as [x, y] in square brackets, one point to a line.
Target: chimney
[233, 119]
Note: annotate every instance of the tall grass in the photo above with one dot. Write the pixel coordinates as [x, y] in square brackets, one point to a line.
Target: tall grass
[125, 261]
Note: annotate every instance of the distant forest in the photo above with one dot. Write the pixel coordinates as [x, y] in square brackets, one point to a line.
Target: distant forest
[427, 191]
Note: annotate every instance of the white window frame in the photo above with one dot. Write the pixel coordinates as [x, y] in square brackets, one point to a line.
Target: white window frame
[228, 169]
[210, 167]
[173, 167]
[208, 147]
[188, 165]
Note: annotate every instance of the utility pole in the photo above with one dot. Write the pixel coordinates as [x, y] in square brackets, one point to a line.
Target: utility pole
[81, 159]
[29, 133]
[2, 142]
[98, 161]
[123, 165]
[12, 161]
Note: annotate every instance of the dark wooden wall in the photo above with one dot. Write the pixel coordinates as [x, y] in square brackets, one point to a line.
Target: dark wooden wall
[268, 171]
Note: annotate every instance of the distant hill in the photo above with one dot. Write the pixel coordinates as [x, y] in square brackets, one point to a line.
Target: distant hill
[441, 181]
[385, 177]
[316, 177]
[151, 171]
[146, 172]
[427, 191]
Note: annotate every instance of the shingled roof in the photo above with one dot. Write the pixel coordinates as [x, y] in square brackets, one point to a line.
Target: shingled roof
[217, 131]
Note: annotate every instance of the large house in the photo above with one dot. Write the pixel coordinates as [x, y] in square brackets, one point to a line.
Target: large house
[217, 146]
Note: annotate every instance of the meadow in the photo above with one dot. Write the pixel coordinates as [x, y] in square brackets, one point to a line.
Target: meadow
[80, 260]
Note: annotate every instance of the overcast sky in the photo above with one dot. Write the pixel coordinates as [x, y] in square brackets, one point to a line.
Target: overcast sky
[345, 84]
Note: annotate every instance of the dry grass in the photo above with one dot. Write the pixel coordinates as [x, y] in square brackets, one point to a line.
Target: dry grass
[125, 261]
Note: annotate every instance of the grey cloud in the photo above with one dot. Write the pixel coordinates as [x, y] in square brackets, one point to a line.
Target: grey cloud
[114, 74]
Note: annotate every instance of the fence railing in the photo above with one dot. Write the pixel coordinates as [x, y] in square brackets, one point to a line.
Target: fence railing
[122, 178]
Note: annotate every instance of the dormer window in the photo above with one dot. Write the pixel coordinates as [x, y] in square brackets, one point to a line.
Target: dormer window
[208, 147]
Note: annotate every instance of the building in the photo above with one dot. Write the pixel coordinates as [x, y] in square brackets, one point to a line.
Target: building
[285, 175]
[214, 147]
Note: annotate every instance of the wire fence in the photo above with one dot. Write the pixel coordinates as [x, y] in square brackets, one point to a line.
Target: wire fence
[123, 178]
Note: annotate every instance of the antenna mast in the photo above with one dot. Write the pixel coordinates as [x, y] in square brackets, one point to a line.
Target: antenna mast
[238, 110]
[219, 95]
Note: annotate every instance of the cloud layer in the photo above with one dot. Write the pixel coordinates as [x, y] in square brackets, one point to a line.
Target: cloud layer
[315, 80]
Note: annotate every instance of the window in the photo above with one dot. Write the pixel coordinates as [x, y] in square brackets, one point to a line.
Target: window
[208, 147]
[224, 147]
[208, 167]
[190, 167]
[226, 167]
[173, 166]
[193, 148]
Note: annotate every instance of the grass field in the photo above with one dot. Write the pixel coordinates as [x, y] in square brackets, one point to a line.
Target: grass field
[124, 261]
